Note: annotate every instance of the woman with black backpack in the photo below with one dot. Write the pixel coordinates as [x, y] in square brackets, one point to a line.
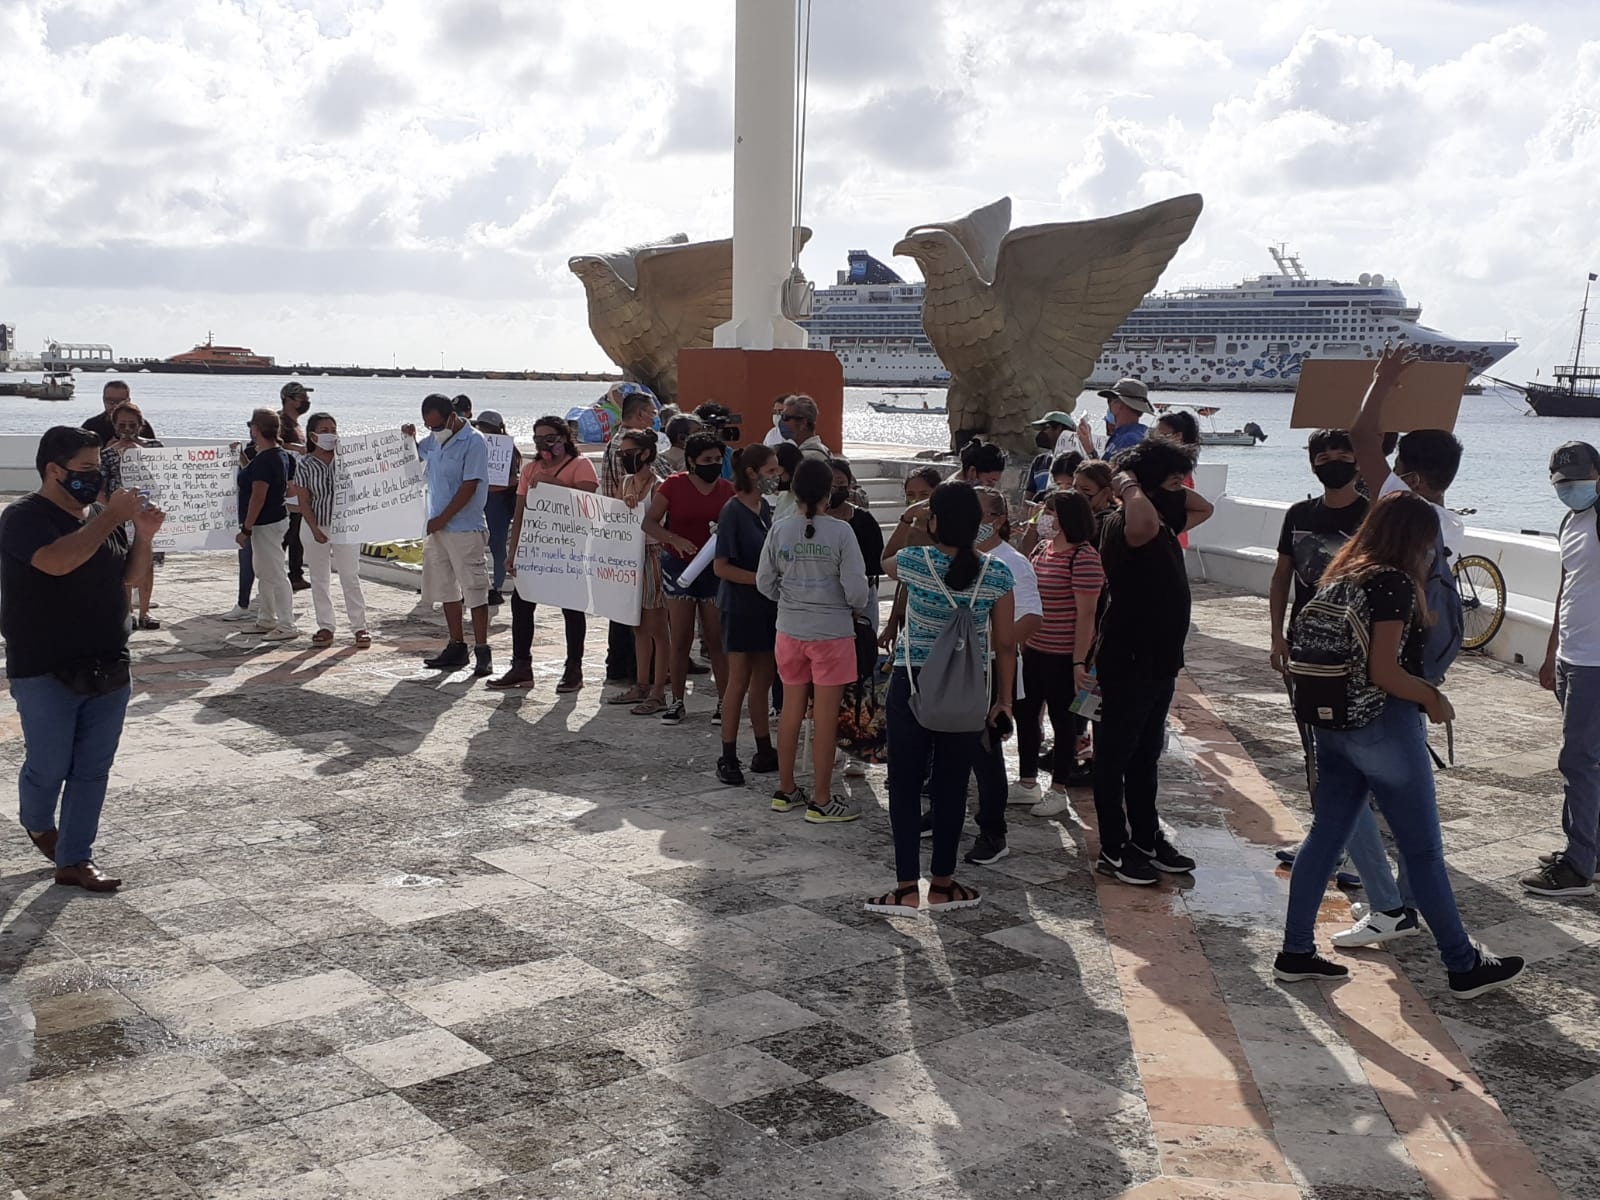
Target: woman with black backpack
[1355, 664]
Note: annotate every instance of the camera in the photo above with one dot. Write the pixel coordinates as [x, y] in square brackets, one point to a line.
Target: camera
[723, 423]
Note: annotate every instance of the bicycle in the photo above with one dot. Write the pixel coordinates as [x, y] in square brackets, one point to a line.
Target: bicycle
[1483, 599]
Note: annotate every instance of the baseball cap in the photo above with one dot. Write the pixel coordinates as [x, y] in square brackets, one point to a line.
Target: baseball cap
[1574, 460]
[1131, 392]
[490, 419]
[1054, 417]
[293, 388]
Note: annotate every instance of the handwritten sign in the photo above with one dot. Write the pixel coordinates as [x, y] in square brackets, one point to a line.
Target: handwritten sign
[379, 489]
[501, 450]
[196, 486]
[581, 550]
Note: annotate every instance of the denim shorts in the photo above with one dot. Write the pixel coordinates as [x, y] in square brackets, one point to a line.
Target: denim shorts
[703, 588]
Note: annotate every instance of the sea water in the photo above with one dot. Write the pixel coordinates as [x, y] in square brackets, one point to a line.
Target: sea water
[1503, 475]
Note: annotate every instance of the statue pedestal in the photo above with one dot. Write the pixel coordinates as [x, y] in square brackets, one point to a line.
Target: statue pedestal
[747, 381]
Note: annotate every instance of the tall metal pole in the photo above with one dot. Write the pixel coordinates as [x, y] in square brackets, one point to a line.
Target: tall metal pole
[764, 77]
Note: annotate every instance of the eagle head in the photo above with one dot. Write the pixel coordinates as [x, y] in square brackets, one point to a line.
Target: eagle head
[934, 249]
[593, 270]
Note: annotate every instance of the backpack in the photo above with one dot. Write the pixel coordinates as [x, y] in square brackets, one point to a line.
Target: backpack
[1444, 602]
[1329, 644]
[951, 692]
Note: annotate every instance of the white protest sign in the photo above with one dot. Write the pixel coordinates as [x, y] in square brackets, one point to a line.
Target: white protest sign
[196, 486]
[501, 450]
[379, 489]
[581, 550]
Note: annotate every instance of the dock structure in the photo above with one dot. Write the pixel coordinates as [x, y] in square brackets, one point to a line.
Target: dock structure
[387, 933]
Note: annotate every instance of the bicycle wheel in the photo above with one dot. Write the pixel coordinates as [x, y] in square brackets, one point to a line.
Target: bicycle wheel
[1483, 600]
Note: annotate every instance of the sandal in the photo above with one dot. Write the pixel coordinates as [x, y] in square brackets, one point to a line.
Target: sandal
[889, 903]
[148, 623]
[632, 696]
[648, 707]
[322, 637]
[363, 639]
[960, 897]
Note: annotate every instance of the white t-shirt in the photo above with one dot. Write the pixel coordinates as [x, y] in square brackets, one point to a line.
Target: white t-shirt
[1451, 525]
[1578, 639]
[1025, 600]
[774, 437]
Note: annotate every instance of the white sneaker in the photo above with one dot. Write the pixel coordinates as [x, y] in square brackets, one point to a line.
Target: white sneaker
[1053, 804]
[280, 633]
[1024, 793]
[1376, 928]
[239, 614]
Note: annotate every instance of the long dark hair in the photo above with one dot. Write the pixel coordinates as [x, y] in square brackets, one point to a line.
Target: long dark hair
[813, 482]
[1397, 534]
[982, 457]
[1074, 517]
[746, 463]
[563, 431]
[955, 506]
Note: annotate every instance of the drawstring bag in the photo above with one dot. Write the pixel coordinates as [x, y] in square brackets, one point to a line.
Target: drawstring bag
[951, 692]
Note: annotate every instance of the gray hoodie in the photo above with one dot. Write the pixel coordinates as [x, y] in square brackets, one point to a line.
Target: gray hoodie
[818, 582]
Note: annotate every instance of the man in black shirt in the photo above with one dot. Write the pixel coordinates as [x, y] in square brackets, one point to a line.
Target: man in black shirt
[114, 392]
[1139, 656]
[64, 564]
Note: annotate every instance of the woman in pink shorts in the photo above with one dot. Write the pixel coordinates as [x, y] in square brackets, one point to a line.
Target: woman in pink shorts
[811, 565]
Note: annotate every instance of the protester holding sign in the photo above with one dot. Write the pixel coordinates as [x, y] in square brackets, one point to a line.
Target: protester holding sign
[127, 422]
[557, 464]
[314, 484]
[266, 522]
[505, 469]
[636, 451]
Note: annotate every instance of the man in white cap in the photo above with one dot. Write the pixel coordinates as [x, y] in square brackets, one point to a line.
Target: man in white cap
[1125, 404]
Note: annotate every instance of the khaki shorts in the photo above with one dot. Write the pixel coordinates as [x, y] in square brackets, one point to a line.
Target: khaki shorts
[455, 566]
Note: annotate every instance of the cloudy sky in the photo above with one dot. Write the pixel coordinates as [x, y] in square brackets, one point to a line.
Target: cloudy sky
[356, 180]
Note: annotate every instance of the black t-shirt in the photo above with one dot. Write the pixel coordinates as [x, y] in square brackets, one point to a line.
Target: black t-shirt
[1392, 596]
[1147, 614]
[100, 424]
[740, 536]
[869, 536]
[1312, 534]
[51, 622]
[274, 468]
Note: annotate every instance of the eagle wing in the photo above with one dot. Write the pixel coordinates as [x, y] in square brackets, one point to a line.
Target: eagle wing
[684, 292]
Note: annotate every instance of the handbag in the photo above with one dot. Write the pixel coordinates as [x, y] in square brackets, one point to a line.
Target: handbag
[95, 676]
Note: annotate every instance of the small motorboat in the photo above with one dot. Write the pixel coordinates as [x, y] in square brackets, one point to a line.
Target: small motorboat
[56, 385]
[1210, 435]
[905, 402]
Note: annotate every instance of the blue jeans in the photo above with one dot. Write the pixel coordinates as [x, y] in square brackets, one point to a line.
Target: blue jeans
[498, 509]
[1370, 858]
[70, 742]
[911, 749]
[1578, 690]
[1388, 758]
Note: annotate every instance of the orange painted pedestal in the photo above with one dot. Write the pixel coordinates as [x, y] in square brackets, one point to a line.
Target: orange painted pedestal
[747, 381]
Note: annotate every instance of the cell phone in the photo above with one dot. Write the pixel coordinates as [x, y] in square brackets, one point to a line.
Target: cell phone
[1001, 724]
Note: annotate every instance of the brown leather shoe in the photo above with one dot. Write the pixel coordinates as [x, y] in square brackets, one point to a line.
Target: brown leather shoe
[87, 876]
[45, 840]
[571, 678]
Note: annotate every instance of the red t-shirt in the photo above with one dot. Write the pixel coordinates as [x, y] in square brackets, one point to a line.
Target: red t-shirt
[691, 513]
[1062, 578]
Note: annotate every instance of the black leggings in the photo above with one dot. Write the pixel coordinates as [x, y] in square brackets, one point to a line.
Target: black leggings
[296, 549]
[1048, 683]
[522, 631]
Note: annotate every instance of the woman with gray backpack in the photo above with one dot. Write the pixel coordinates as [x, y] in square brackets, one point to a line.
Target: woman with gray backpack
[938, 706]
[1356, 663]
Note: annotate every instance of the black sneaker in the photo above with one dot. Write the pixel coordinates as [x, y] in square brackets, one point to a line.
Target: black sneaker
[988, 848]
[1130, 866]
[495, 598]
[764, 762]
[1165, 857]
[716, 717]
[453, 657]
[1558, 878]
[698, 668]
[1297, 968]
[672, 713]
[1492, 972]
[927, 823]
[728, 771]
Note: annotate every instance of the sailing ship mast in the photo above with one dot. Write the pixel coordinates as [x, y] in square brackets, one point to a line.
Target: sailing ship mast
[1577, 352]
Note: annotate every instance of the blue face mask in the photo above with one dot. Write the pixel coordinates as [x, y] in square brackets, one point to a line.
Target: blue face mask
[1578, 494]
[783, 428]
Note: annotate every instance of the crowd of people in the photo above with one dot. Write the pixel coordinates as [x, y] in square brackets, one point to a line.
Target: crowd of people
[1073, 609]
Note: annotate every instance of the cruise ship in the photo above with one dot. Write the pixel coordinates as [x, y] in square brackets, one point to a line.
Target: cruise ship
[1251, 336]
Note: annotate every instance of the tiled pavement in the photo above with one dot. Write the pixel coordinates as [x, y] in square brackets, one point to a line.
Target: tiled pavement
[390, 936]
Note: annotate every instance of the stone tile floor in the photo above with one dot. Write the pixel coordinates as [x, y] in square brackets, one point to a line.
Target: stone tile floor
[391, 935]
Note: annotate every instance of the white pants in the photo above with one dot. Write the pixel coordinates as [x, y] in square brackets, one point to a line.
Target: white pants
[320, 558]
[276, 606]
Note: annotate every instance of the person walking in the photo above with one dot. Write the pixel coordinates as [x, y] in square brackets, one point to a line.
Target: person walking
[811, 566]
[556, 464]
[749, 619]
[500, 505]
[265, 485]
[295, 401]
[65, 564]
[313, 484]
[127, 424]
[1362, 688]
[1571, 669]
[651, 644]
[683, 517]
[455, 556]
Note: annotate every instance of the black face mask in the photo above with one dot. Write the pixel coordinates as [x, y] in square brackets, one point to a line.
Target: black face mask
[83, 486]
[635, 462]
[1043, 440]
[1335, 474]
[710, 472]
[837, 497]
[1172, 508]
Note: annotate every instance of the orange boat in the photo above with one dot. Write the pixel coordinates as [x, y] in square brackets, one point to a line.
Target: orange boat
[210, 355]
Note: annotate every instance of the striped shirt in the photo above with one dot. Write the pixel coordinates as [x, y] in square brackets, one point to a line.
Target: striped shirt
[1063, 577]
[316, 476]
[922, 569]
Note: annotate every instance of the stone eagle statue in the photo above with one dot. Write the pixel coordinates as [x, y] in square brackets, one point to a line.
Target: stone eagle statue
[648, 302]
[1019, 316]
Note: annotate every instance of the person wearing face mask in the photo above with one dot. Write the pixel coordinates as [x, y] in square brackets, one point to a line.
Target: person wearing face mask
[636, 413]
[500, 504]
[1126, 402]
[1041, 526]
[1139, 656]
[455, 556]
[313, 484]
[127, 425]
[113, 392]
[264, 487]
[776, 434]
[65, 564]
[749, 619]
[1048, 433]
[683, 518]
[1571, 670]
[556, 464]
[1092, 481]
[799, 425]
[295, 400]
[636, 457]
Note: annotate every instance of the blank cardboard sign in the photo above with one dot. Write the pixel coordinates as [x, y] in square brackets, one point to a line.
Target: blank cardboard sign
[1426, 396]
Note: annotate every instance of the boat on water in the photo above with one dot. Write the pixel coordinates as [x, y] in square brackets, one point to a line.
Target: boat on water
[208, 356]
[1210, 435]
[905, 402]
[1576, 391]
[56, 385]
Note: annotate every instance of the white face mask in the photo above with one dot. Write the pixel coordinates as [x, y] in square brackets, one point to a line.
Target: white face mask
[777, 419]
[443, 434]
[327, 441]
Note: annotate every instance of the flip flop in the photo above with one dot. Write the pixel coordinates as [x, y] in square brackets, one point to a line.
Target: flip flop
[633, 695]
[363, 639]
